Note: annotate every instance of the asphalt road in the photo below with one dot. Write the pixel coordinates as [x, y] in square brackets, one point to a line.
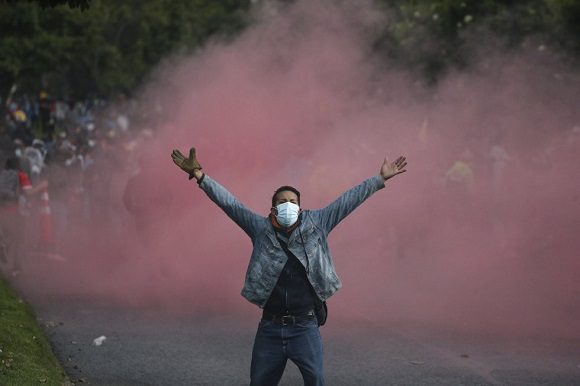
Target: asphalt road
[152, 347]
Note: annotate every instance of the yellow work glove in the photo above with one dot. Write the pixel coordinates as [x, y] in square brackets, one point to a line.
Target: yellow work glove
[188, 165]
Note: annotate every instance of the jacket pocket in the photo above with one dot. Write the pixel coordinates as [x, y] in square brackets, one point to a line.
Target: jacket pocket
[309, 239]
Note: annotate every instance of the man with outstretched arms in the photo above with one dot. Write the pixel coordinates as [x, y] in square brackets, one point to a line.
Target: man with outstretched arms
[291, 273]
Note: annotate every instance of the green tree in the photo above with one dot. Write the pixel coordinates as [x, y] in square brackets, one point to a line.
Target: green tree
[432, 36]
[107, 48]
[81, 47]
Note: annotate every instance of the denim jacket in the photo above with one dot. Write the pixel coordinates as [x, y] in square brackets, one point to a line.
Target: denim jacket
[308, 242]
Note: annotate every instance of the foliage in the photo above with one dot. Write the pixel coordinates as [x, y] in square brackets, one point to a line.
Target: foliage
[433, 36]
[82, 4]
[77, 48]
[109, 47]
[25, 354]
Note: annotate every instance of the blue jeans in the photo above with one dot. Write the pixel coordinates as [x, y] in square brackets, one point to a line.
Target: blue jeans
[275, 344]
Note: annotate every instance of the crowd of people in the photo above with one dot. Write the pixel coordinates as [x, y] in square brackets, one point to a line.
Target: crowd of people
[49, 148]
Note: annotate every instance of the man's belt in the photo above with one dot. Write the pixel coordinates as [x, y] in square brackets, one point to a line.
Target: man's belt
[288, 320]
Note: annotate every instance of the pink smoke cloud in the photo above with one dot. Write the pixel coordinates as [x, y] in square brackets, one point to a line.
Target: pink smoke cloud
[299, 99]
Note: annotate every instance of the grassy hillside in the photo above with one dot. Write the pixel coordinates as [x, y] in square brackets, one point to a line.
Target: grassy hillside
[26, 357]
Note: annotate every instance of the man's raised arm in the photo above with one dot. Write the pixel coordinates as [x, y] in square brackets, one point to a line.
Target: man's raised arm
[245, 218]
[334, 213]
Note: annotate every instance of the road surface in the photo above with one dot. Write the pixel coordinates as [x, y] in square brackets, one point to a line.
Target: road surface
[158, 348]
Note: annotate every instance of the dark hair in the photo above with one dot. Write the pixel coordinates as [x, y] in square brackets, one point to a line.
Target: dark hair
[12, 163]
[285, 188]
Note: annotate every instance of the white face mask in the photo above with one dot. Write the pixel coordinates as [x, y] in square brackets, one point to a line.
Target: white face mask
[287, 214]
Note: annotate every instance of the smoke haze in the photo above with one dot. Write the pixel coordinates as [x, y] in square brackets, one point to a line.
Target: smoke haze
[299, 99]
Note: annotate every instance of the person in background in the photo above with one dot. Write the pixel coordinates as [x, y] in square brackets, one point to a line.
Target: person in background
[148, 199]
[15, 188]
[35, 154]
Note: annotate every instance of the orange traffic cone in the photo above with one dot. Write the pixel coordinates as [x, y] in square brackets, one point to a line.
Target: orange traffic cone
[46, 239]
